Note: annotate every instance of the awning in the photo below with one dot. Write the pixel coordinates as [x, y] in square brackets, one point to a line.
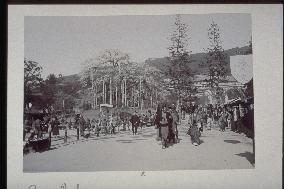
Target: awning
[234, 96]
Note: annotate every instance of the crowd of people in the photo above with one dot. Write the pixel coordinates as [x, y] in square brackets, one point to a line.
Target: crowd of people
[105, 123]
[238, 118]
[235, 117]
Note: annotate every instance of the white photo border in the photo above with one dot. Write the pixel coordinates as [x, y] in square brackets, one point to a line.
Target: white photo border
[267, 37]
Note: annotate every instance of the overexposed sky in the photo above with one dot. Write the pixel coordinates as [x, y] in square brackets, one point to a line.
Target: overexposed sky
[61, 44]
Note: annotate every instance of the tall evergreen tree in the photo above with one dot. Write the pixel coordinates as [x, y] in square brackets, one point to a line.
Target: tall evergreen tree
[178, 70]
[215, 59]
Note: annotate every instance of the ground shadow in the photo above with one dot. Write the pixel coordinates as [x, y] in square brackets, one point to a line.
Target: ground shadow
[232, 141]
[139, 139]
[249, 156]
[149, 135]
[125, 141]
[135, 136]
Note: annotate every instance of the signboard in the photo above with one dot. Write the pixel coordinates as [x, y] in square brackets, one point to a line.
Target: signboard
[241, 68]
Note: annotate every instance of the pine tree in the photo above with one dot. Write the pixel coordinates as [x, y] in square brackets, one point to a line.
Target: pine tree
[179, 68]
[215, 59]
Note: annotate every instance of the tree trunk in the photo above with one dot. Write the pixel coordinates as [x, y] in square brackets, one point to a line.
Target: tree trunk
[116, 100]
[110, 91]
[103, 91]
[140, 97]
[125, 97]
[122, 93]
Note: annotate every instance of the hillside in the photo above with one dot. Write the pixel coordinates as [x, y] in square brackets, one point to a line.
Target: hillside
[197, 60]
[195, 66]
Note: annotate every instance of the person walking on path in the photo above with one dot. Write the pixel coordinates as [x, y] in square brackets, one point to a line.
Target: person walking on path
[175, 118]
[194, 134]
[164, 128]
[135, 121]
[171, 135]
[157, 120]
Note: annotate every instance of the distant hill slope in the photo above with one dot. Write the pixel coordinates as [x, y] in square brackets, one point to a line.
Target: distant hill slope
[71, 78]
[197, 60]
[160, 63]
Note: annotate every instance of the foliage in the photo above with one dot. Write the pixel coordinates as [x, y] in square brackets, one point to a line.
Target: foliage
[114, 57]
[216, 58]
[178, 70]
[49, 89]
[32, 75]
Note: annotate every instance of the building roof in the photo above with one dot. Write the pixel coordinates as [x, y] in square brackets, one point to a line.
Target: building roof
[200, 77]
[235, 94]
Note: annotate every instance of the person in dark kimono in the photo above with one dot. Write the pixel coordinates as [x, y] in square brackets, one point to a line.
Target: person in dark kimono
[164, 128]
[236, 117]
[82, 123]
[157, 120]
[135, 121]
[171, 135]
[55, 127]
[194, 134]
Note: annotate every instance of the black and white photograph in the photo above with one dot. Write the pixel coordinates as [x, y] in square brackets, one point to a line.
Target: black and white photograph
[130, 93]
[138, 92]
[144, 96]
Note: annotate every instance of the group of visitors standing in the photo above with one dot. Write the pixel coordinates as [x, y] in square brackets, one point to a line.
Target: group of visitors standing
[238, 117]
[109, 124]
[49, 125]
